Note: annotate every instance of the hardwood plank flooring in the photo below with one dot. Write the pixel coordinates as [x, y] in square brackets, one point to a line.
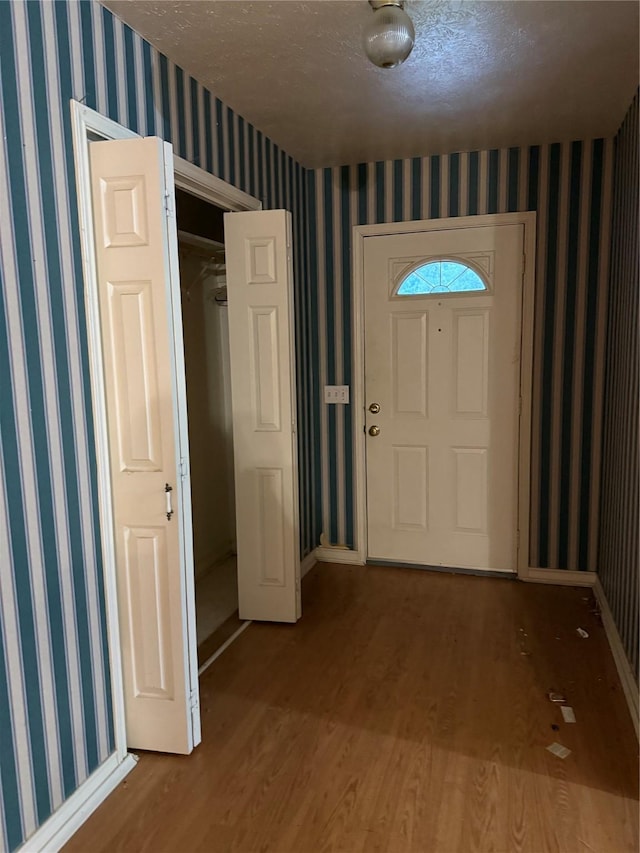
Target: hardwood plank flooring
[406, 712]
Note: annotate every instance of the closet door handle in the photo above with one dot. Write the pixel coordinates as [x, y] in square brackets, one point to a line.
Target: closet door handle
[167, 490]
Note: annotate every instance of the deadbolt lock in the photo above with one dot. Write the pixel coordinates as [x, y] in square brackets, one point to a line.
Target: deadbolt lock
[374, 430]
[374, 408]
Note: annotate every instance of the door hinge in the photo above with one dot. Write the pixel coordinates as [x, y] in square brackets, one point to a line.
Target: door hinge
[169, 208]
[519, 405]
[183, 469]
[524, 265]
[194, 700]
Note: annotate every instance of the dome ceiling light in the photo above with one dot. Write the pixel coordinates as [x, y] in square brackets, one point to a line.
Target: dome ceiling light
[389, 36]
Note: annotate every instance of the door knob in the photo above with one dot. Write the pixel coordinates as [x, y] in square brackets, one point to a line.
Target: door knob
[374, 430]
[374, 408]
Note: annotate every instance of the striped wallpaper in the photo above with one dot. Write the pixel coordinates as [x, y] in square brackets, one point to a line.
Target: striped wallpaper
[55, 717]
[569, 185]
[620, 508]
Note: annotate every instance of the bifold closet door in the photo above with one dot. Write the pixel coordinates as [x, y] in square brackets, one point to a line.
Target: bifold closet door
[139, 298]
[260, 294]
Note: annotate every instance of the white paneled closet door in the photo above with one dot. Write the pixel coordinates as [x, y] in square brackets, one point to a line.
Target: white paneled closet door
[136, 258]
[260, 295]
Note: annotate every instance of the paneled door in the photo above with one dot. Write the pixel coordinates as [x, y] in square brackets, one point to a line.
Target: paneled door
[263, 390]
[442, 393]
[141, 332]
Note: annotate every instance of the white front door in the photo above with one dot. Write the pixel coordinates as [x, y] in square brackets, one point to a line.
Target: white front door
[443, 366]
[263, 391]
[136, 261]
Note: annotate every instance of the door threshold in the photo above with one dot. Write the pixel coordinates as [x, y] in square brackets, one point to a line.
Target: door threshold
[505, 574]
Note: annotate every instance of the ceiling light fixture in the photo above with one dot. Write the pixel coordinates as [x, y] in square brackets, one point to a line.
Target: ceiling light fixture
[389, 36]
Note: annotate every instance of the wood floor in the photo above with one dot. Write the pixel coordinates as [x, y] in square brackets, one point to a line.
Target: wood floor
[407, 711]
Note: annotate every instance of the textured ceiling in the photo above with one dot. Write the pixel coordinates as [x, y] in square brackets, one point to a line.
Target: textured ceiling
[482, 74]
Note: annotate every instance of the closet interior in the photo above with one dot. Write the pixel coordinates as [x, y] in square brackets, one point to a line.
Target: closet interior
[208, 380]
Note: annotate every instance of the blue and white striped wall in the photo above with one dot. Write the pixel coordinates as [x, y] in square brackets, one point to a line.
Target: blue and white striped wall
[55, 718]
[619, 539]
[55, 712]
[569, 185]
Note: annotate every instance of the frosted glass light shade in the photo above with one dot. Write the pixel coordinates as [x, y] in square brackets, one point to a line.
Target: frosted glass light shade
[389, 37]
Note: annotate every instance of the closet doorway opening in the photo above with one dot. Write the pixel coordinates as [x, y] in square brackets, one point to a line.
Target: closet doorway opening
[203, 290]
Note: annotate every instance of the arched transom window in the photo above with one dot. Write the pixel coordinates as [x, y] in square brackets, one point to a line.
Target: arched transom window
[441, 277]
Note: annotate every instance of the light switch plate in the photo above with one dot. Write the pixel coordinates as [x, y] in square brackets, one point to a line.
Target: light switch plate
[336, 393]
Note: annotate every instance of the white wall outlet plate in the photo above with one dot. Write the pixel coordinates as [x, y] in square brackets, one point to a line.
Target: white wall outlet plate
[336, 393]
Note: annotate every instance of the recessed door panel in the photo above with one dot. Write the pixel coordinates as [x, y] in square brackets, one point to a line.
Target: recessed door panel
[261, 260]
[271, 529]
[471, 362]
[135, 375]
[409, 350]
[470, 501]
[265, 375]
[410, 488]
[124, 214]
[149, 611]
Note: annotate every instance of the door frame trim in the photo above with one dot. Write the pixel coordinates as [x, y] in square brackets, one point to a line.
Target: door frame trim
[359, 233]
[85, 123]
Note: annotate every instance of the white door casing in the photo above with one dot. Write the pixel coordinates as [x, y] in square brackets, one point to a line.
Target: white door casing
[442, 475]
[263, 392]
[136, 260]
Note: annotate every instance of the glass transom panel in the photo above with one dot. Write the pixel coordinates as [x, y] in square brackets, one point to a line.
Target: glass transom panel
[441, 277]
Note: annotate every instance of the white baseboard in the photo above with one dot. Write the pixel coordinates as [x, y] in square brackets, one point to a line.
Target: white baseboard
[58, 829]
[327, 554]
[619, 655]
[559, 577]
[307, 563]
